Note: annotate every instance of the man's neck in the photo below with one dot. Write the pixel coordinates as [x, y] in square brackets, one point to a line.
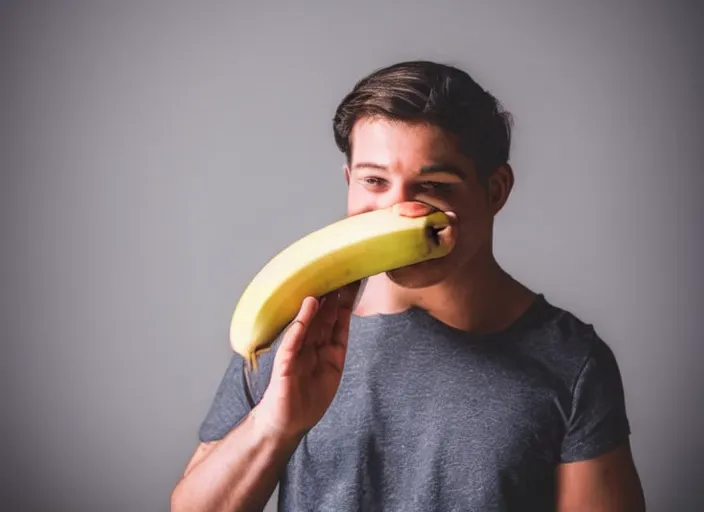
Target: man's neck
[481, 298]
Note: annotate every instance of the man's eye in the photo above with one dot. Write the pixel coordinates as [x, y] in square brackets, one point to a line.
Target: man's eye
[435, 186]
[373, 181]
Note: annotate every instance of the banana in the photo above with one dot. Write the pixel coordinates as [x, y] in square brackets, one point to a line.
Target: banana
[343, 252]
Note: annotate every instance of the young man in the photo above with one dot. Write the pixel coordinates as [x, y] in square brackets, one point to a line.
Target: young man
[448, 385]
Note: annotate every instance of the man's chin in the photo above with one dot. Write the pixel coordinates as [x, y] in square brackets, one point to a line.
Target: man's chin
[420, 275]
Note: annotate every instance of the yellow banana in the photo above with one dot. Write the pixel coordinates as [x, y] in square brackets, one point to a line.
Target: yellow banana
[345, 251]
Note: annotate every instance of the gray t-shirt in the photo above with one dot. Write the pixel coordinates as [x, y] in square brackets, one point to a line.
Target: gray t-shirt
[430, 418]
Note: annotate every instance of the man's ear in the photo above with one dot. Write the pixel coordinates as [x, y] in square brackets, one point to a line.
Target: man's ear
[499, 187]
[347, 174]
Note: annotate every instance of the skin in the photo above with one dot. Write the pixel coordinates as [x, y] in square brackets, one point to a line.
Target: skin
[420, 167]
[240, 472]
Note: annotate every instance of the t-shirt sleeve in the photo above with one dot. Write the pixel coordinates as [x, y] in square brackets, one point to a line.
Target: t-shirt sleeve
[598, 421]
[232, 402]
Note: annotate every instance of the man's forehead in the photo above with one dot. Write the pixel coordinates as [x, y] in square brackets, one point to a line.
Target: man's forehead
[399, 138]
[407, 154]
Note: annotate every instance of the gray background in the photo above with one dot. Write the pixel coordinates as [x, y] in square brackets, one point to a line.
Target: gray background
[148, 145]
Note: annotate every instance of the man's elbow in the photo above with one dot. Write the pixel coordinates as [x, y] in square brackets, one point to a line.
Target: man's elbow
[184, 499]
[178, 502]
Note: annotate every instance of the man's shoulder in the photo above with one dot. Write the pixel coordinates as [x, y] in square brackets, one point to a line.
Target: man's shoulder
[565, 339]
[564, 328]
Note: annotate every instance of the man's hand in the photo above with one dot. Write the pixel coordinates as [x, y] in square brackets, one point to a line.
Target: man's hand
[308, 366]
[241, 471]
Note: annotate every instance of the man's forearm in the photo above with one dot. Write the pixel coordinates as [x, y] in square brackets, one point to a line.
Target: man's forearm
[240, 473]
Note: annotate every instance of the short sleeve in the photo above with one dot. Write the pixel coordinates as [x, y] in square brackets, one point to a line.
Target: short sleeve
[232, 402]
[598, 421]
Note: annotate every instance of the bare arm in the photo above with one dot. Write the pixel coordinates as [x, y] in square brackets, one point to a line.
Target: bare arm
[608, 483]
[240, 472]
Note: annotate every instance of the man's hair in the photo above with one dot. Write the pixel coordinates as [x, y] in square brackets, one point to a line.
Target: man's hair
[436, 94]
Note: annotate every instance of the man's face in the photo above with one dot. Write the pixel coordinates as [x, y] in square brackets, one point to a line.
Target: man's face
[393, 162]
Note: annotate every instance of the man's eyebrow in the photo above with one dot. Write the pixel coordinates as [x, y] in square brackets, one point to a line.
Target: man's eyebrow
[443, 167]
[427, 169]
[369, 165]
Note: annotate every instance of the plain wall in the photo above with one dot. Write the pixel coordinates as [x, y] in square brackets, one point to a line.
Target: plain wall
[157, 154]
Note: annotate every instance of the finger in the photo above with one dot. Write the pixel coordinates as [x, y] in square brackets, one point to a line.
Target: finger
[341, 331]
[297, 330]
[358, 288]
[325, 321]
[414, 208]
[348, 295]
[342, 299]
[347, 299]
[332, 356]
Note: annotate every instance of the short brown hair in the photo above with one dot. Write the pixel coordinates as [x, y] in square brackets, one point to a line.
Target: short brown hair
[434, 93]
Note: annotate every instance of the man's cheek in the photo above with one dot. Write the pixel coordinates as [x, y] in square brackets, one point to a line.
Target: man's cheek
[359, 202]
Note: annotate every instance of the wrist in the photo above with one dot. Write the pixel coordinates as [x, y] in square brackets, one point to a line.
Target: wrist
[270, 430]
